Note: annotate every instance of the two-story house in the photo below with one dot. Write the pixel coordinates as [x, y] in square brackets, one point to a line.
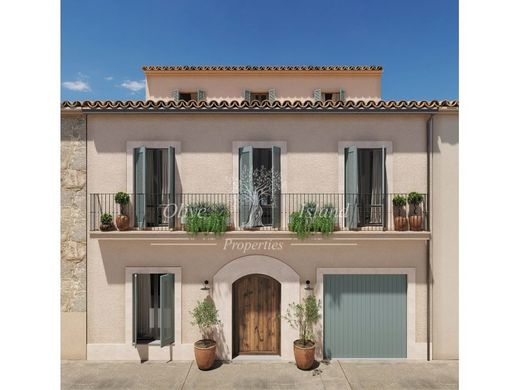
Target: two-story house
[317, 186]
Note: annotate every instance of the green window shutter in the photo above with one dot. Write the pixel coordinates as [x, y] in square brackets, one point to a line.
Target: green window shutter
[167, 309]
[135, 309]
[247, 96]
[171, 187]
[140, 186]
[245, 179]
[276, 185]
[201, 95]
[317, 95]
[272, 95]
[341, 95]
[351, 187]
[175, 95]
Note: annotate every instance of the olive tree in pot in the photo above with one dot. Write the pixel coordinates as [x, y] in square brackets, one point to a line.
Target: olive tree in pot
[122, 220]
[400, 220]
[205, 316]
[415, 212]
[303, 316]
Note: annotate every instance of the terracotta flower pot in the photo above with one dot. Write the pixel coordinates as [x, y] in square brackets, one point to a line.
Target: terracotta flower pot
[122, 222]
[416, 222]
[400, 223]
[205, 351]
[304, 355]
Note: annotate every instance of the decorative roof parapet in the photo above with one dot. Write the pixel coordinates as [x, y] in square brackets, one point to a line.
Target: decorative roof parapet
[262, 68]
[138, 106]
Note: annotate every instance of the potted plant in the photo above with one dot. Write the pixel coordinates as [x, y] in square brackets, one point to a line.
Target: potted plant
[106, 222]
[122, 220]
[303, 316]
[415, 214]
[206, 218]
[205, 316]
[400, 220]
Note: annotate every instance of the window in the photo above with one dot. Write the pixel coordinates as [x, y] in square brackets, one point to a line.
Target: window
[198, 96]
[365, 191]
[153, 308]
[154, 186]
[259, 187]
[187, 96]
[260, 96]
[334, 96]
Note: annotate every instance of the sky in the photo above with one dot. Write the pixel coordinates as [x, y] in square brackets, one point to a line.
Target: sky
[105, 43]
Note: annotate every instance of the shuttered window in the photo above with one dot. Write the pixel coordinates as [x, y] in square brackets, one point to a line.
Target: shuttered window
[153, 308]
[251, 161]
[154, 186]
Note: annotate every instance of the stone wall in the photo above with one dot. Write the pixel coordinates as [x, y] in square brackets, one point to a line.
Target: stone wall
[73, 213]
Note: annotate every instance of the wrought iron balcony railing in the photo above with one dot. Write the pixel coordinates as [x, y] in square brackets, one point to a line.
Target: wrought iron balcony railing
[372, 212]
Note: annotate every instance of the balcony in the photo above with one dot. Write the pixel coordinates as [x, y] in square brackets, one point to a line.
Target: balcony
[303, 213]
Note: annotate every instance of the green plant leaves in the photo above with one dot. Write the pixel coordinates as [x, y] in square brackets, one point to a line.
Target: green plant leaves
[312, 219]
[204, 217]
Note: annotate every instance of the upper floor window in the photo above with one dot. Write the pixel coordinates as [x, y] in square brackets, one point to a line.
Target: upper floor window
[334, 96]
[365, 187]
[259, 187]
[260, 96]
[154, 186]
[187, 96]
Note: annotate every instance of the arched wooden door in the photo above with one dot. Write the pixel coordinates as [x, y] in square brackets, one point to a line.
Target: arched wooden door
[256, 316]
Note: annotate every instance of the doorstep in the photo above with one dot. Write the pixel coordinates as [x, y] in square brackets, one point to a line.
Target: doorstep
[257, 358]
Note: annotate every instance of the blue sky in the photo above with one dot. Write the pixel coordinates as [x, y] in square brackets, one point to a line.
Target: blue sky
[105, 43]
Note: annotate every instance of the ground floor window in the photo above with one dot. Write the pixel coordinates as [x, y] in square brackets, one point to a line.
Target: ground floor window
[153, 308]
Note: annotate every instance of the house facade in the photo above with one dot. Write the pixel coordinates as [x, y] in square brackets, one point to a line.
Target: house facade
[257, 148]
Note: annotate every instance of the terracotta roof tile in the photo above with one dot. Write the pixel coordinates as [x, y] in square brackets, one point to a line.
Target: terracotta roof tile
[265, 68]
[256, 106]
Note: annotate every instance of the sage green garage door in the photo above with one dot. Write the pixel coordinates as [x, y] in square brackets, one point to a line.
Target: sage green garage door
[364, 316]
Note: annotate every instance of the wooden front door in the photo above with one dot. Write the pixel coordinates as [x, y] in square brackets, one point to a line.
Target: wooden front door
[256, 316]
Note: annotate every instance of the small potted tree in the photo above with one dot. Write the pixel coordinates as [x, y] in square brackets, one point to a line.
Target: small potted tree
[400, 221]
[205, 316]
[303, 316]
[122, 220]
[415, 213]
[106, 222]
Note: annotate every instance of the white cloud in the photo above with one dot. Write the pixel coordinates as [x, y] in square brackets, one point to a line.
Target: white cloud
[133, 85]
[77, 85]
[109, 78]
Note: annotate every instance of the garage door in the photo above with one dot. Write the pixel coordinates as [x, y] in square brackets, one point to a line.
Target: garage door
[364, 316]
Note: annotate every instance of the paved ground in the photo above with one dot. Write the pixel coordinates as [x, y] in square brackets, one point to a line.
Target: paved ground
[380, 375]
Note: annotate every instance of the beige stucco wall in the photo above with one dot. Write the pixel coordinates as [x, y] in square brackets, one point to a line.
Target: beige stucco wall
[108, 259]
[292, 87]
[205, 163]
[74, 335]
[445, 212]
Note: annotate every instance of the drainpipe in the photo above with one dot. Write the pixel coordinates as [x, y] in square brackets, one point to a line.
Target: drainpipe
[429, 250]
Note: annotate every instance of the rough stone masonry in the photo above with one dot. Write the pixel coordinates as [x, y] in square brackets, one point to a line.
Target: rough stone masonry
[73, 213]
